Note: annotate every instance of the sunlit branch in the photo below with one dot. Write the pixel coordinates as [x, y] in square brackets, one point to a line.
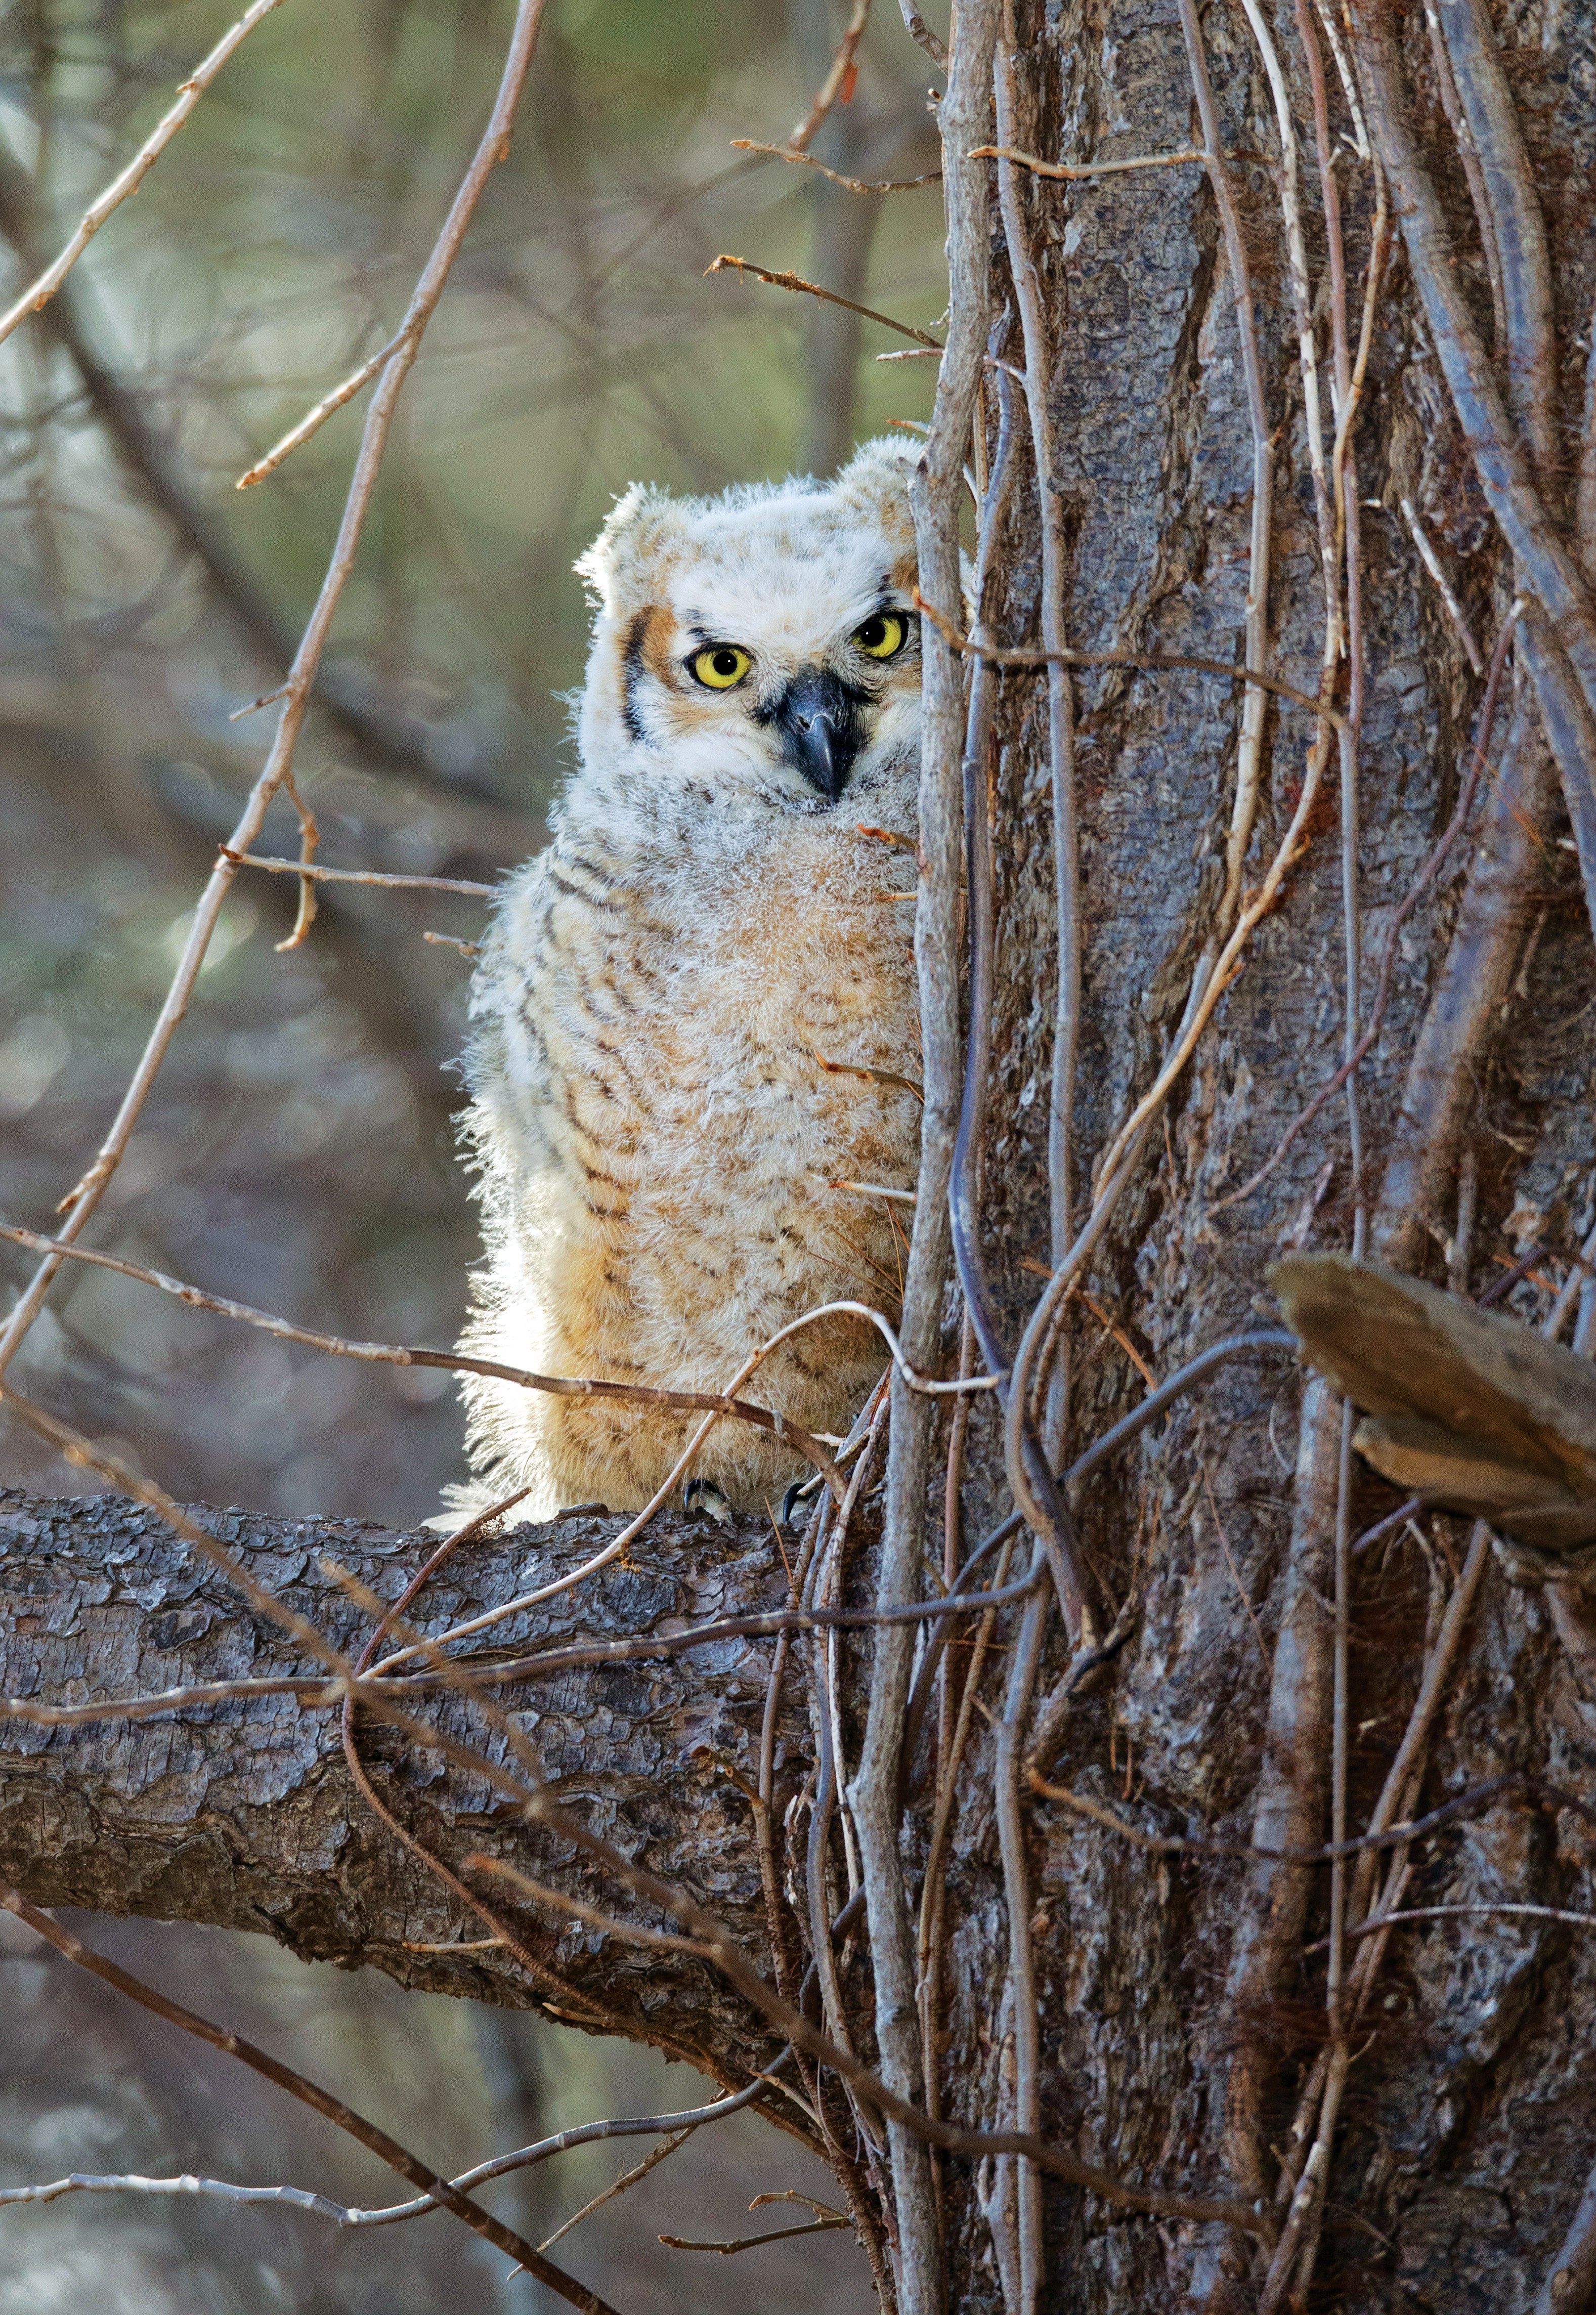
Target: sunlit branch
[40, 291]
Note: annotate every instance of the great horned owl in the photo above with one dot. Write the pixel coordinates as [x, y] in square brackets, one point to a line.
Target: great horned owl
[716, 917]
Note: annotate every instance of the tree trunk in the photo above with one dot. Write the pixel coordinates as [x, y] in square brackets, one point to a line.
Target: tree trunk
[1437, 2108]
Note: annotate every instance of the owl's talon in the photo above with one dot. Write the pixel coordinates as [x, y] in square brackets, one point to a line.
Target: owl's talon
[800, 1492]
[704, 1495]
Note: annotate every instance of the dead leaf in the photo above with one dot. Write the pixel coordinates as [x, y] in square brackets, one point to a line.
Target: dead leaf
[1466, 1408]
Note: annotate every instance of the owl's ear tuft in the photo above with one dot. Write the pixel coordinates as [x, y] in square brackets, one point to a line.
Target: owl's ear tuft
[621, 566]
[876, 479]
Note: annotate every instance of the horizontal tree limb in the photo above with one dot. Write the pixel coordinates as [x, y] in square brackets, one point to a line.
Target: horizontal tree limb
[241, 1814]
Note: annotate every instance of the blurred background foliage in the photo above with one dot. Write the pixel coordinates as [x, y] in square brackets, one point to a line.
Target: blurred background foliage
[299, 1151]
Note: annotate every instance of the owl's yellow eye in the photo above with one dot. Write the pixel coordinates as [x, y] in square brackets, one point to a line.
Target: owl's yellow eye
[884, 636]
[720, 666]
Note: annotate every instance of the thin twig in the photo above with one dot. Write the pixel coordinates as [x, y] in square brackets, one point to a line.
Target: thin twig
[1072, 170]
[752, 2242]
[299, 2086]
[362, 876]
[81, 1203]
[1367, 1845]
[802, 288]
[1432, 562]
[314, 420]
[871, 1076]
[1235, 672]
[1381, 1921]
[451, 1362]
[547, 1980]
[849, 184]
[839, 84]
[40, 291]
[314, 1693]
[1421, 884]
[655, 2156]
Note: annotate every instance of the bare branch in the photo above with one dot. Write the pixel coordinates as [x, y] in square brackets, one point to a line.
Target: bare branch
[1239, 672]
[84, 1198]
[299, 2086]
[800, 287]
[921, 34]
[838, 83]
[849, 184]
[39, 292]
[82, 2182]
[363, 876]
[1072, 170]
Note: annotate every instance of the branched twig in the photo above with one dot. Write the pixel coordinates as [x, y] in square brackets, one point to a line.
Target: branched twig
[40, 291]
[802, 288]
[849, 184]
[362, 876]
[1072, 170]
[437, 2189]
[81, 1203]
[969, 648]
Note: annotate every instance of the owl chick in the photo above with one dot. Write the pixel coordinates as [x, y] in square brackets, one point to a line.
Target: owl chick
[656, 1136]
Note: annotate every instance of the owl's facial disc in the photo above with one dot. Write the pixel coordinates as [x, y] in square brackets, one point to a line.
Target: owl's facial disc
[770, 699]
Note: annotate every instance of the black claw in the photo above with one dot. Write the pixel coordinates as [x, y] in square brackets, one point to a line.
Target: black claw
[704, 1497]
[791, 1501]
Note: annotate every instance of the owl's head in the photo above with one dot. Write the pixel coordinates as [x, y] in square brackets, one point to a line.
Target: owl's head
[761, 642]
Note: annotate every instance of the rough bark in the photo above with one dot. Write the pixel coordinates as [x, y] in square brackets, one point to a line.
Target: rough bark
[244, 1815]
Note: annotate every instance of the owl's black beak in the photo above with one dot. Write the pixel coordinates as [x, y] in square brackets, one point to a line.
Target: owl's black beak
[818, 717]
